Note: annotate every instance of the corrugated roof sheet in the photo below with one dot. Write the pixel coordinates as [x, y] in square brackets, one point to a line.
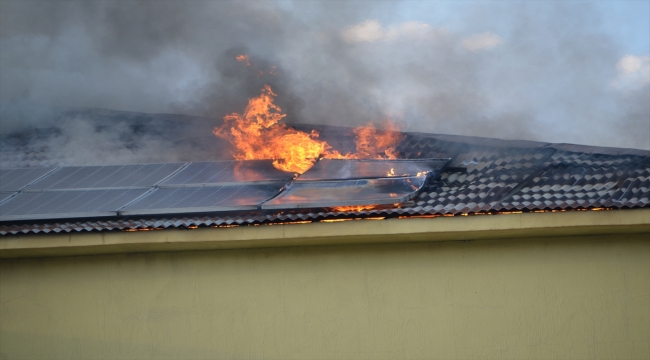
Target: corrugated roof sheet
[484, 176]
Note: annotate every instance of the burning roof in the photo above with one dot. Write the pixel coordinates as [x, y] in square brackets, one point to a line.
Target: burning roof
[285, 173]
[258, 133]
[484, 176]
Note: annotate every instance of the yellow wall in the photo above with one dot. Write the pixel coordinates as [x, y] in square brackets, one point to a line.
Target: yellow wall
[563, 297]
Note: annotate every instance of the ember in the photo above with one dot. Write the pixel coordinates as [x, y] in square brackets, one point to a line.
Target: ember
[357, 208]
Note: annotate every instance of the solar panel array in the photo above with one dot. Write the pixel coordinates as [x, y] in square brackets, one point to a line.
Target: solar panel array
[106, 177]
[203, 199]
[79, 191]
[380, 191]
[148, 189]
[67, 204]
[98, 191]
[225, 172]
[213, 186]
[17, 179]
[357, 182]
[345, 169]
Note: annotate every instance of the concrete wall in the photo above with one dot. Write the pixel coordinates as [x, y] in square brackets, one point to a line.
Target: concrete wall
[535, 298]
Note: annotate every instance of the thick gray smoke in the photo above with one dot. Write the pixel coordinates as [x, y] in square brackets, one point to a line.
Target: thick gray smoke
[538, 71]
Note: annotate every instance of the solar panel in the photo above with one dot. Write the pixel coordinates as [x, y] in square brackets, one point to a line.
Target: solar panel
[16, 179]
[308, 194]
[4, 195]
[105, 177]
[225, 172]
[203, 199]
[67, 204]
[330, 169]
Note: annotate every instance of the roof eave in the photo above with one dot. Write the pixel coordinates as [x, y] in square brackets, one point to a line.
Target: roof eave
[463, 228]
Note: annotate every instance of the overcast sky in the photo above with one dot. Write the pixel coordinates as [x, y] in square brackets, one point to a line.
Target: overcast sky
[556, 71]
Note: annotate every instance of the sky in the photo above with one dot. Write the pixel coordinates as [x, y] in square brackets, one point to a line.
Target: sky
[551, 71]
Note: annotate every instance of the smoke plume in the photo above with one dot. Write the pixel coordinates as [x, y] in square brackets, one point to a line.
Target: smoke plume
[538, 71]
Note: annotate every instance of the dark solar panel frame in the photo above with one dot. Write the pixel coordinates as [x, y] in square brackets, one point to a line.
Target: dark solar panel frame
[203, 199]
[106, 177]
[66, 204]
[333, 193]
[346, 169]
[18, 179]
[226, 172]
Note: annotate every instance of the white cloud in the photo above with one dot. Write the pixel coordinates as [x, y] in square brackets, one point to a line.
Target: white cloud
[368, 31]
[373, 30]
[484, 41]
[633, 72]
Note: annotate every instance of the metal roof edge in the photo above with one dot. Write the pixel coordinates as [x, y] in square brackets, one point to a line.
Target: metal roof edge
[512, 226]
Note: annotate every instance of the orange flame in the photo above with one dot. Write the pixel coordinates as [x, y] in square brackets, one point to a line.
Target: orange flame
[259, 134]
[374, 143]
[243, 58]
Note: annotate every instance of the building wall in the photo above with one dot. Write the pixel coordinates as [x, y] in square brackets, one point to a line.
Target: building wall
[536, 298]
